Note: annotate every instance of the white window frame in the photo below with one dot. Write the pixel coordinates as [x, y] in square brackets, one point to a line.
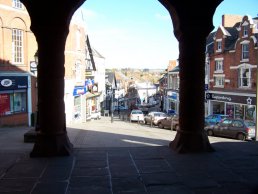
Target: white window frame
[219, 66]
[242, 78]
[17, 4]
[245, 52]
[219, 45]
[175, 82]
[245, 31]
[17, 46]
[219, 81]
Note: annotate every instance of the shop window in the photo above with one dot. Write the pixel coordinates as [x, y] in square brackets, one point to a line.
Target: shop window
[250, 112]
[239, 111]
[12, 103]
[230, 108]
[17, 46]
[245, 51]
[244, 77]
[77, 107]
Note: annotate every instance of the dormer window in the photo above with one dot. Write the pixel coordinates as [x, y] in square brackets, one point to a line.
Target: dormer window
[17, 4]
[245, 31]
[219, 45]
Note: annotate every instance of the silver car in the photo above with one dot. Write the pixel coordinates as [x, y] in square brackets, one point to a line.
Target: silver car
[233, 128]
[137, 115]
[154, 117]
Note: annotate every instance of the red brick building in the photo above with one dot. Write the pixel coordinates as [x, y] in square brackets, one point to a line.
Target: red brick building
[18, 70]
[17, 49]
[232, 58]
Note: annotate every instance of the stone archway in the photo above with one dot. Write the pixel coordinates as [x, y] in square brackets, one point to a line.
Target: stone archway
[192, 25]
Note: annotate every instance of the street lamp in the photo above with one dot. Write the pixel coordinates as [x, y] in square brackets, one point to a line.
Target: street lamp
[36, 58]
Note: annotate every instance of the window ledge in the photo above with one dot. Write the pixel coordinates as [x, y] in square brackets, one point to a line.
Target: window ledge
[244, 60]
[218, 86]
[218, 71]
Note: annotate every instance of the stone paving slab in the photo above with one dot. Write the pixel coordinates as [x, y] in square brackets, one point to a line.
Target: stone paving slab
[131, 173]
[131, 158]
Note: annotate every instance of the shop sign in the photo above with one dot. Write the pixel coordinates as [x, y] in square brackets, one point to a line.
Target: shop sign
[33, 67]
[231, 98]
[173, 96]
[79, 90]
[13, 82]
[206, 87]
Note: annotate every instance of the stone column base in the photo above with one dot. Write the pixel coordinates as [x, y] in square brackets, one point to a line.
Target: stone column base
[52, 145]
[190, 142]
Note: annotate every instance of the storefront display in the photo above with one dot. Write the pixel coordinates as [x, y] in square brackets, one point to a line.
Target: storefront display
[242, 107]
[13, 94]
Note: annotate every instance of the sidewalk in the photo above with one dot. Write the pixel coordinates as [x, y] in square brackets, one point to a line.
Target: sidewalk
[123, 157]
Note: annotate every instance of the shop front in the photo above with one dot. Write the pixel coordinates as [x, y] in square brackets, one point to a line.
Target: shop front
[173, 102]
[235, 105]
[79, 102]
[15, 100]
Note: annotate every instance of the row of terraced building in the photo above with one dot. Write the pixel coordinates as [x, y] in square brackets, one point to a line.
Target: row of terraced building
[231, 70]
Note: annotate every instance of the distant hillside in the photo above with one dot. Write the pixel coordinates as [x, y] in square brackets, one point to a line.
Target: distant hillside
[141, 75]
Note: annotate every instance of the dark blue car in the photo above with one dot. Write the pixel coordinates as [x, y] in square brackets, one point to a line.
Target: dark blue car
[215, 118]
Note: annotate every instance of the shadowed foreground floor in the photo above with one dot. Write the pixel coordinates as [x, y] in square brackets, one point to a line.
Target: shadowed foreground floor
[128, 166]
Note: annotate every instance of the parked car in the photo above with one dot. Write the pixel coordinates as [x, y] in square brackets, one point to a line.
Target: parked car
[233, 128]
[170, 122]
[136, 115]
[215, 118]
[167, 122]
[154, 117]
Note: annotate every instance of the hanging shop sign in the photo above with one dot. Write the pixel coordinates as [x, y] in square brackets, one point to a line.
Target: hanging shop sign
[33, 67]
[13, 82]
[79, 90]
[231, 98]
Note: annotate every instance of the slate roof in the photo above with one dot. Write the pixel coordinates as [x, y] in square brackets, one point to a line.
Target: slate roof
[231, 40]
[175, 69]
[110, 78]
[210, 43]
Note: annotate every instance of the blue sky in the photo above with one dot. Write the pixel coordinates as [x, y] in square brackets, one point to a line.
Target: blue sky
[139, 33]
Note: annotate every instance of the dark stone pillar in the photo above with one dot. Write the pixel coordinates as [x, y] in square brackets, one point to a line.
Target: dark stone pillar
[50, 24]
[192, 21]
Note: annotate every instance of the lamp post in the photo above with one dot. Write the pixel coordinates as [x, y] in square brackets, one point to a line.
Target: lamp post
[36, 58]
[112, 107]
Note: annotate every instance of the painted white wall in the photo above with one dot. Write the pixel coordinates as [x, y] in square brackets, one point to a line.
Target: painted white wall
[69, 100]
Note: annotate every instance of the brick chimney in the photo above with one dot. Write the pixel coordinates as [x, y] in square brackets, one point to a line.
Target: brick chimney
[172, 64]
[230, 20]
